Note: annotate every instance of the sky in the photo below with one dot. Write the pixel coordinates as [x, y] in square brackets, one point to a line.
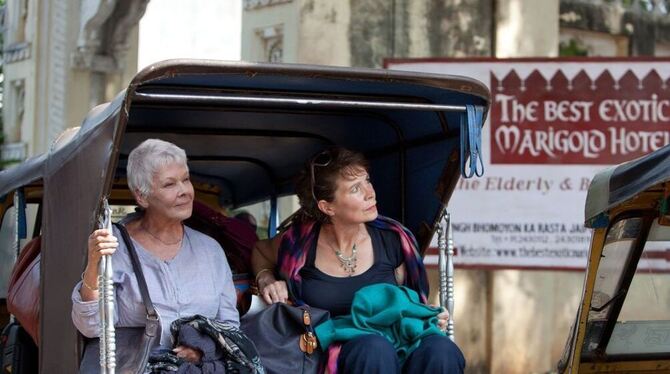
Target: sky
[208, 29]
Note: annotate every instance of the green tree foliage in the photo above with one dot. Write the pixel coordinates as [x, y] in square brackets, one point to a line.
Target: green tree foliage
[572, 48]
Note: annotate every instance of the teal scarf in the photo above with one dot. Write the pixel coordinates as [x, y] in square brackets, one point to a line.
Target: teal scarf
[394, 312]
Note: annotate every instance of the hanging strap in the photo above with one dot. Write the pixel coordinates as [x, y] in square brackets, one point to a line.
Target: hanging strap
[141, 282]
[21, 211]
[471, 141]
[274, 217]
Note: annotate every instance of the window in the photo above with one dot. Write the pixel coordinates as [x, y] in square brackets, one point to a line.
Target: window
[643, 325]
[260, 212]
[271, 41]
[619, 244]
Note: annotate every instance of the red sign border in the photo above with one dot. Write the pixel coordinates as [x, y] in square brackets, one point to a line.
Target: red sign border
[392, 60]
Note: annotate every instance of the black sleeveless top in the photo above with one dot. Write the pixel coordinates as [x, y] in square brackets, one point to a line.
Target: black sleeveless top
[335, 294]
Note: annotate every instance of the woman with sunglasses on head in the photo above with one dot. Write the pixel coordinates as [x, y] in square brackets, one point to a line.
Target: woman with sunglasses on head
[336, 245]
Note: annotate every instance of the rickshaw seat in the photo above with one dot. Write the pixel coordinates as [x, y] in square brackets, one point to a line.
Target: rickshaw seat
[237, 237]
[234, 235]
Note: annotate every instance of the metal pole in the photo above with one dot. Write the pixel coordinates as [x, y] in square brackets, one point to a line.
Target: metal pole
[445, 246]
[103, 316]
[106, 303]
[450, 276]
[18, 195]
[17, 222]
[309, 102]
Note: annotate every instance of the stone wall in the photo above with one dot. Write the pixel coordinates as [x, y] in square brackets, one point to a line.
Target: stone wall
[646, 29]
[428, 28]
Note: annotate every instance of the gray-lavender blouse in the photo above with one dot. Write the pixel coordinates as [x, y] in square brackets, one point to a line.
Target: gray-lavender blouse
[197, 280]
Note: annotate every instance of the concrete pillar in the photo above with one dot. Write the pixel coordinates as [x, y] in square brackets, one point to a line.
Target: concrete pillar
[526, 28]
[324, 38]
[532, 315]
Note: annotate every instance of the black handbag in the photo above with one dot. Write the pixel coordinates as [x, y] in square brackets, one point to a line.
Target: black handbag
[133, 344]
[284, 337]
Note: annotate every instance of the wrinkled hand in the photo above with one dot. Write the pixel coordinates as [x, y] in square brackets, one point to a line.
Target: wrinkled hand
[442, 318]
[274, 292]
[101, 242]
[189, 354]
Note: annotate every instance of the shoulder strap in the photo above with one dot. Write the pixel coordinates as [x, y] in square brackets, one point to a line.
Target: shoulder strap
[151, 311]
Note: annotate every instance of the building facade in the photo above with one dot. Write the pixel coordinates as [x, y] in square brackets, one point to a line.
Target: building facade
[60, 59]
[364, 33]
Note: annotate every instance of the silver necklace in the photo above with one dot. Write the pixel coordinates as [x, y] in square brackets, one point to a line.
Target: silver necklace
[348, 263]
[161, 240]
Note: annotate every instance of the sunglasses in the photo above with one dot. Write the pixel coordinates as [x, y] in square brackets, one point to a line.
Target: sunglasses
[322, 159]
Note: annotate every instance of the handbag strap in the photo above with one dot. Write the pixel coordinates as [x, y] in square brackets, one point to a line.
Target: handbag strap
[141, 282]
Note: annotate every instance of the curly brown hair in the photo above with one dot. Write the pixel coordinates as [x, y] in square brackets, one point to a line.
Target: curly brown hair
[318, 178]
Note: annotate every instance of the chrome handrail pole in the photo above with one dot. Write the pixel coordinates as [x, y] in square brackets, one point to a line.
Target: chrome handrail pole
[446, 268]
[106, 303]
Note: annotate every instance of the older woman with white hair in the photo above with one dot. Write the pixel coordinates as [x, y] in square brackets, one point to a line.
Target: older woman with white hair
[186, 271]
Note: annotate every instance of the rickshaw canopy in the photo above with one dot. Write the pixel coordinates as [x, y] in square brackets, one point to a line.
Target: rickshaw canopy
[247, 129]
[616, 185]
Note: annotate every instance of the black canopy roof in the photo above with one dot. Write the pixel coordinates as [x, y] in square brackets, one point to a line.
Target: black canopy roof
[247, 129]
[617, 184]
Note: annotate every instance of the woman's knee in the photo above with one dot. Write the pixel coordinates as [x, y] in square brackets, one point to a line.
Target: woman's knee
[437, 354]
[368, 353]
[442, 344]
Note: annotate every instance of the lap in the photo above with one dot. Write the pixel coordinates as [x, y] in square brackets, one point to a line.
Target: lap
[435, 354]
[368, 354]
[376, 354]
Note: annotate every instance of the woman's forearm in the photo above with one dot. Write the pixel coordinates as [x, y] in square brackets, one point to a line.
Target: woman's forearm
[89, 283]
[263, 263]
[263, 256]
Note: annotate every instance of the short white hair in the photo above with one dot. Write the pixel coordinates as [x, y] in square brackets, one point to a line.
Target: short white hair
[145, 160]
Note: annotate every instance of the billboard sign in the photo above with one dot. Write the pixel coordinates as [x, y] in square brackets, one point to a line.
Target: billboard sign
[552, 125]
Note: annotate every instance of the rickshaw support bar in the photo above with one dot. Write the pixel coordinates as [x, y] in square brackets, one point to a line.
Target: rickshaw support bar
[305, 101]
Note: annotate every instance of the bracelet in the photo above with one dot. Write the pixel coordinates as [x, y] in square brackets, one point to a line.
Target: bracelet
[261, 272]
[86, 285]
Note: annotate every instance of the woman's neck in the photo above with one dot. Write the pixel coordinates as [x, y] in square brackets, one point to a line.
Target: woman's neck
[344, 236]
[161, 227]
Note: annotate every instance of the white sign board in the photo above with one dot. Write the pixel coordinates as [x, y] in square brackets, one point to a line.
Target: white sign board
[551, 126]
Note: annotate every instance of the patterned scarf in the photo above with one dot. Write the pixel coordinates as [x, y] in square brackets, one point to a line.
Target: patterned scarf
[235, 352]
[300, 236]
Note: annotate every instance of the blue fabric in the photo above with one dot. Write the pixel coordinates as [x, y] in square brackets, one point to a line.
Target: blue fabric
[471, 141]
[22, 228]
[272, 223]
[375, 354]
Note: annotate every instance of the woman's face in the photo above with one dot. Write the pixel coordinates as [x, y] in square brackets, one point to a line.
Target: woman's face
[355, 200]
[171, 193]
